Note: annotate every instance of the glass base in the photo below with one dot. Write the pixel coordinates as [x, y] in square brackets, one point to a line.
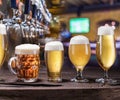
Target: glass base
[57, 79]
[79, 80]
[30, 80]
[103, 80]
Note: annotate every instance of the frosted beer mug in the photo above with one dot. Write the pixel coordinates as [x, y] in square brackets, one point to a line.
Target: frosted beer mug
[54, 54]
[26, 62]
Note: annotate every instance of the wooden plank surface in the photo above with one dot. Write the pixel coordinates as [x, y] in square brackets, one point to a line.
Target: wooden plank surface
[65, 90]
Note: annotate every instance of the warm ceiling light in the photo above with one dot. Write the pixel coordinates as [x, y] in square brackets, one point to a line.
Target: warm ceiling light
[55, 2]
[0, 2]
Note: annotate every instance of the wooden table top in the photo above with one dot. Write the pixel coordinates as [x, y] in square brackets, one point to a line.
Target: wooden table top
[63, 89]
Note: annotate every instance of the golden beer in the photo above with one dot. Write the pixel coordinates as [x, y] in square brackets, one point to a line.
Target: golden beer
[26, 62]
[105, 51]
[54, 62]
[54, 55]
[79, 55]
[3, 44]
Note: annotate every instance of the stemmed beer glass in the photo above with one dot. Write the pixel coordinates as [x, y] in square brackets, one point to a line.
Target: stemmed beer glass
[79, 53]
[105, 51]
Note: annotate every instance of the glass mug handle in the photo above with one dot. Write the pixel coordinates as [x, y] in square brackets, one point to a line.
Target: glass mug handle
[10, 64]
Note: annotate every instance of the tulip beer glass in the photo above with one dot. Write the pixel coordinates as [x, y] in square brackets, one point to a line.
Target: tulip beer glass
[54, 55]
[26, 62]
[105, 50]
[79, 54]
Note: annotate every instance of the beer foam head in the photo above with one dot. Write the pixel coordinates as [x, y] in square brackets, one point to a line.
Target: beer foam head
[54, 45]
[27, 49]
[79, 39]
[2, 29]
[105, 30]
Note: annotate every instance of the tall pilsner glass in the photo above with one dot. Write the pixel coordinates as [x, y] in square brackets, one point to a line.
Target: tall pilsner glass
[54, 56]
[3, 44]
[105, 50]
[79, 53]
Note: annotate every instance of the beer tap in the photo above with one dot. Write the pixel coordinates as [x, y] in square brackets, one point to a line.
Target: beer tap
[45, 11]
[44, 20]
[36, 23]
[26, 22]
[30, 34]
[39, 19]
[13, 5]
[14, 28]
[14, 9]
[39, 25]
[33, 27]
[27, 9]
[47, 15]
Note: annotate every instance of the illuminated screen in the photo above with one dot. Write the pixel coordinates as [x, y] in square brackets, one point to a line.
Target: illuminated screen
[79, 25]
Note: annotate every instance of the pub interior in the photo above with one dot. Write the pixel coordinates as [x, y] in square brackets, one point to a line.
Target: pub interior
[40, 22]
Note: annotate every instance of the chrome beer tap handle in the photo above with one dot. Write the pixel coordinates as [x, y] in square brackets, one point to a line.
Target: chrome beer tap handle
[44, 10]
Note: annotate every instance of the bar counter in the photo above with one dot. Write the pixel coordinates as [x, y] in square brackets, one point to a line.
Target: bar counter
[66, 90]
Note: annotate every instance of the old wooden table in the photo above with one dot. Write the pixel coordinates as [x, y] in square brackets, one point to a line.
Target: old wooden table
[61, 91]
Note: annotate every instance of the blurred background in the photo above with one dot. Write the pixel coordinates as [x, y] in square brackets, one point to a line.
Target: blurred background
[85, 15]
